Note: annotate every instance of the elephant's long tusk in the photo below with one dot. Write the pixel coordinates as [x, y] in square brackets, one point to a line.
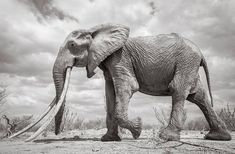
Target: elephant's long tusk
[57, 107]
[50, 107]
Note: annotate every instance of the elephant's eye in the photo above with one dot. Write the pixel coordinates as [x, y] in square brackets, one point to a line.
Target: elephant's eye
[71, 44]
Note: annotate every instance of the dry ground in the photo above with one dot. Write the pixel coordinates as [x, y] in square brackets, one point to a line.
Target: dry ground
[88, 141]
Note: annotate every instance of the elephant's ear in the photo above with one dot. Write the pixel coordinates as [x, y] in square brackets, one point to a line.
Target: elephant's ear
[106, 39]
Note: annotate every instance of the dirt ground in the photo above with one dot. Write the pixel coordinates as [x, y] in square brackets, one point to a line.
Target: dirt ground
[88, 141]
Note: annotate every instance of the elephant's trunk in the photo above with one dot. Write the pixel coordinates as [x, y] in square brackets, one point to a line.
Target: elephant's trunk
[58, 76]
[63, 60]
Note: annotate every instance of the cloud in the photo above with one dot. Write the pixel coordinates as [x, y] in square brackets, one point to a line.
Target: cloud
[44, 9]
[153, 7]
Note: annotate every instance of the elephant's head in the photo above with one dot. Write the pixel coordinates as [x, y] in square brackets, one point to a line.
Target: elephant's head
[82, 48]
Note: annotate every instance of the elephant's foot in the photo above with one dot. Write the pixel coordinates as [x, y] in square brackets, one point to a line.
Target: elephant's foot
[169, 134]
[136, 131]
[109, 137]
[220, 134]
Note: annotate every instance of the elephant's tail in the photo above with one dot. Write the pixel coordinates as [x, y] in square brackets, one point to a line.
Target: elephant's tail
[204, 65]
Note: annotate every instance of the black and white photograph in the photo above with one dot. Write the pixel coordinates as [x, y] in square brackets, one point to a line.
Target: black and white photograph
[117, 76]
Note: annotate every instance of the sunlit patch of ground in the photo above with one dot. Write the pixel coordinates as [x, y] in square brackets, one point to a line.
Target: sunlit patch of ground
[88, 141]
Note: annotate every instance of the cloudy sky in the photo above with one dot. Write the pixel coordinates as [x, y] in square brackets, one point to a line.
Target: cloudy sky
[33, 30]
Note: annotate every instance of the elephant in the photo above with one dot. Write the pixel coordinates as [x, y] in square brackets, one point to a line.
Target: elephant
[160, 65]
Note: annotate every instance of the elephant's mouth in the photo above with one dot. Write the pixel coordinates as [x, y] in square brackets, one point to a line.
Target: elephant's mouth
[81, 60]
[79, 63]
[50, 112]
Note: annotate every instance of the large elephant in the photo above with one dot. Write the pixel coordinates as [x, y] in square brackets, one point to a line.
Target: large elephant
[162, 65]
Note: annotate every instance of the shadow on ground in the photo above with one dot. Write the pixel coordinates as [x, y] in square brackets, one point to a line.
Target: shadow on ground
[75, 138]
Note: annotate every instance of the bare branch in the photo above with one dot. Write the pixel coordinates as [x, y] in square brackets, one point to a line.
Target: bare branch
[3, 96]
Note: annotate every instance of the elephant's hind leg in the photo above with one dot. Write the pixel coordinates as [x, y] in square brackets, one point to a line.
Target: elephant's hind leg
[172, 131]
[179, 95]
[112, 133]
[218, 130]
[186, 73]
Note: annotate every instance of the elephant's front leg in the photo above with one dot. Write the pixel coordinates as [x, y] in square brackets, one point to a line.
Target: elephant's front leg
[123, 92]
[112, 126]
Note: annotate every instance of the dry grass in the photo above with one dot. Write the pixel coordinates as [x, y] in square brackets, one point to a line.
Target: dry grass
[226, 114]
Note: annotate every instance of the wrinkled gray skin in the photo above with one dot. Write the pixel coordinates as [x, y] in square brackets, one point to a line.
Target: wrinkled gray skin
[162, 65]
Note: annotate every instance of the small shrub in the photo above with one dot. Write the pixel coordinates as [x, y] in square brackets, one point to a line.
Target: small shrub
[70, 121]
[95, 124]
[197, 124]
[161, 117]
[22, 121]
[164, 116]
[228, 116]
[17, 123]
[3, 101]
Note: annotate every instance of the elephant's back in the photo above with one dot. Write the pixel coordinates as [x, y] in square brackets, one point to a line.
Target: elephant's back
[162, 44]
[159, 42]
